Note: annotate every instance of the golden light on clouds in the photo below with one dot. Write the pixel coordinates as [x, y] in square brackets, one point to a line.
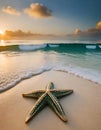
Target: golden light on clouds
[38, 10]
[10, 10]
[98, 25]
[1, 32]
[77, 31]
[2, 35]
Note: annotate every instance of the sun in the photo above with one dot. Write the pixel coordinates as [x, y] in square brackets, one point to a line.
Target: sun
[2, 43]
[1, 32]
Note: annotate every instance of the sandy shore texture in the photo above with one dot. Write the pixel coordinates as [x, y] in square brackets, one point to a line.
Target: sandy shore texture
[82, 108]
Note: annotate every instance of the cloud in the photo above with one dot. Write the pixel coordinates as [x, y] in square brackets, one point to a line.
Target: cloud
[77, 31]
[19, 34]
[10, 10]
[92, 34]
[98, 26]
[37, 10]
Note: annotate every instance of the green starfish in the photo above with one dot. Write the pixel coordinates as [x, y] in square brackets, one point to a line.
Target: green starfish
[48, 96]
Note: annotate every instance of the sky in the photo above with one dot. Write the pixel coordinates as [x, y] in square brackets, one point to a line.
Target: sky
[71, 18]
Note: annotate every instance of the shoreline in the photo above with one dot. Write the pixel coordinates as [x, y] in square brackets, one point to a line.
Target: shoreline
[39, 73]
[82, 108]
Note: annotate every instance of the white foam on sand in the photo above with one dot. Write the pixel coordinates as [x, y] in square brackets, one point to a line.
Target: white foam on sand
[24, 76]
[85, 73]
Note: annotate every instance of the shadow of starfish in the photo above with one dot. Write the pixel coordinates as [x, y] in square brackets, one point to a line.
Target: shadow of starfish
[49, 96]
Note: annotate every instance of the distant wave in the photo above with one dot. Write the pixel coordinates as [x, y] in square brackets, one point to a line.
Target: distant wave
[99, 46]
[31, 47]
[53, 45]
[91, 46]
[68, 46]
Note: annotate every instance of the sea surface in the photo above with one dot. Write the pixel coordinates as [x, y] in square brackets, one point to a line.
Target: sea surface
[20, 60]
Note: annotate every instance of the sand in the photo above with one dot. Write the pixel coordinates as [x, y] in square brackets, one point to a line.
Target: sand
[82, 108]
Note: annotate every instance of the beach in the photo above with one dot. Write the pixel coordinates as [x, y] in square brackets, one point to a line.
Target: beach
[50, 65]
[82, 107]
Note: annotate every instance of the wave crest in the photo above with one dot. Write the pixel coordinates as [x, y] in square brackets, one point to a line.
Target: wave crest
[31, 47]
[67, 46]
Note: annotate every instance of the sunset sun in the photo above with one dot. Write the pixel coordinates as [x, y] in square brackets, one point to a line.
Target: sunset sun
[1, 32]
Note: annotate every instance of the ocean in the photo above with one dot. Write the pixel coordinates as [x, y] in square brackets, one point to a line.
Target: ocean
[23, 59]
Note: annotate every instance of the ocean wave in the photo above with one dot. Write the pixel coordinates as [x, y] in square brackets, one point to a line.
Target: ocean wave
[99, 46]
[68, 46]
[53, 45]
[31, 47]
[90, 46]
[85, 73]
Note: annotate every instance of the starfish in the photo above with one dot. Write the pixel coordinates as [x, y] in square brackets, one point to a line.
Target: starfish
[47, 97]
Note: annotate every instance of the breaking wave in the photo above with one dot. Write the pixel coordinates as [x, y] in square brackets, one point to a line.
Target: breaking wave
[33, 47]
[71, 57]
[90, 47]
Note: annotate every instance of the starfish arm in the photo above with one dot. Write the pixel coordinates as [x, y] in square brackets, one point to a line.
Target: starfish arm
[61, 93]
[35, 94]
[56, 106]
[50, 86]
[39, 105]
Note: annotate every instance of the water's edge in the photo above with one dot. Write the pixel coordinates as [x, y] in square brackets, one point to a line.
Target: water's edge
[65, 70]
[67, 51]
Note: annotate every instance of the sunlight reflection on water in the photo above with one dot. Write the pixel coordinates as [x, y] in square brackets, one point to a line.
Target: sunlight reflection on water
[2, 43]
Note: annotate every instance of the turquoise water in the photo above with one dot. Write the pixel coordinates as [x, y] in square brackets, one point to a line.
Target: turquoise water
[20, 61]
